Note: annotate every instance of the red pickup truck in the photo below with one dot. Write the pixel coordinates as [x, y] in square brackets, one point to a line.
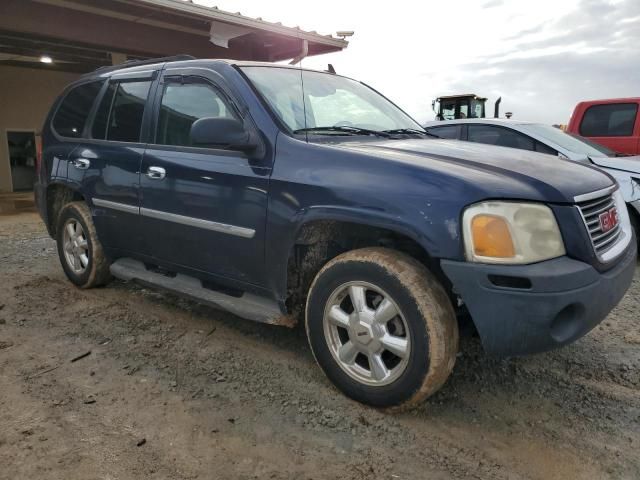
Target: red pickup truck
[614, 123]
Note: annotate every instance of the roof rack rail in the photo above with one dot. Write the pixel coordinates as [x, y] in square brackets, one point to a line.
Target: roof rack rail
[137, 63]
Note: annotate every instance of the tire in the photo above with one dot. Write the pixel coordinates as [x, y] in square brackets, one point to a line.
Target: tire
[418, 345]
[84, 261]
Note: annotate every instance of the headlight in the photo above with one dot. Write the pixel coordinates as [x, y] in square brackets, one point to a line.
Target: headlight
[511, 232]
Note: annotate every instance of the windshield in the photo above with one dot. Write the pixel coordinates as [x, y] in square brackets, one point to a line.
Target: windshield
[573, 143]
[327, 101]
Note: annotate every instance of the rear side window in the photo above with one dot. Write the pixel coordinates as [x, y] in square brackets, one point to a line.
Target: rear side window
[499, 136]
[612, 120]
[119, 116]
[72, 115]
[448, 131]
[182, 105]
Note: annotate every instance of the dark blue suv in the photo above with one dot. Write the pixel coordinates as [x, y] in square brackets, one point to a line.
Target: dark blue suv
[282, 194]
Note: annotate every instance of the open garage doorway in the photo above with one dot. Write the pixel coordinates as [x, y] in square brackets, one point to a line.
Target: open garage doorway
[22, 159]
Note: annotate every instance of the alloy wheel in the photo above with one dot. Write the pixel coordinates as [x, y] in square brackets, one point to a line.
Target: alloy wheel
[367, 333]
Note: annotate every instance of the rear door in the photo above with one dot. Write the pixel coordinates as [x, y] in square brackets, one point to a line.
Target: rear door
[202, 208]
[614, 125]
[110, 159]
[68, 127]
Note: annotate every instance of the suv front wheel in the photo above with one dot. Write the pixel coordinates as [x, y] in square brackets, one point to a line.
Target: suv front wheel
[79, 249]
[381, 327]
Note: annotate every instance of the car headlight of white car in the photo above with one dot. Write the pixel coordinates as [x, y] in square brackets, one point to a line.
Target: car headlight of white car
[511, 233]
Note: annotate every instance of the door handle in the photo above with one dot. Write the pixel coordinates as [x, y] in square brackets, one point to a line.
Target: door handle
[156, 173]
[81, 163]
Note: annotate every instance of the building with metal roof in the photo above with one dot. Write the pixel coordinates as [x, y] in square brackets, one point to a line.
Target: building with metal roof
[46, 44]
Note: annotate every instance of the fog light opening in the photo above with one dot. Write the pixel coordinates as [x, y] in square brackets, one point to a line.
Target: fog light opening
[568, 324]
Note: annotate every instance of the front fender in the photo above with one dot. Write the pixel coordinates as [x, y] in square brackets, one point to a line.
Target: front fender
[359, 215]
[313, 182]
[282, 238]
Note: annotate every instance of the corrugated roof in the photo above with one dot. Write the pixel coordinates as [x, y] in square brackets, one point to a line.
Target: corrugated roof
[214, 13]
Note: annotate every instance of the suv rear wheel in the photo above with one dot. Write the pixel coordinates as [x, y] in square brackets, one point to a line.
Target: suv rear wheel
[79, 249]
[381, 327]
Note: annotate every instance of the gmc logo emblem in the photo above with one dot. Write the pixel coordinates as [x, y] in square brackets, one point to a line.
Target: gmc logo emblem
[608, 220]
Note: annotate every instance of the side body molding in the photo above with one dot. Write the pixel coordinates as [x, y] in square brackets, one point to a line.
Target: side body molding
[172, 217]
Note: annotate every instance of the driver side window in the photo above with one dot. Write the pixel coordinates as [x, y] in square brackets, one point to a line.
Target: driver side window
[184, 103]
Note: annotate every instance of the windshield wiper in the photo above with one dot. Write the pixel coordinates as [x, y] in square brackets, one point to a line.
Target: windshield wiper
[412, 131]
[344, 129]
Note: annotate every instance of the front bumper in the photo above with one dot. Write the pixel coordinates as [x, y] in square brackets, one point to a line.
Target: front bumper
[522, 309]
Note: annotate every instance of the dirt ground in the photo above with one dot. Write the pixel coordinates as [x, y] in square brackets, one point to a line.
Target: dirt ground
[173, 390]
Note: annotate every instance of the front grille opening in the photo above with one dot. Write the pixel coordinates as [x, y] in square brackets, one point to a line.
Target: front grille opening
[591, 210]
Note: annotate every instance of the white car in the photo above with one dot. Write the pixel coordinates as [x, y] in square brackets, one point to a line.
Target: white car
[553, 141]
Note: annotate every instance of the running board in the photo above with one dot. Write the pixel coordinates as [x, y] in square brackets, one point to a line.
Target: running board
[249, 306]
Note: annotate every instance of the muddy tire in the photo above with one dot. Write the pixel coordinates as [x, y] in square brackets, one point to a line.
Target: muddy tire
[381, 327]
[81, 254]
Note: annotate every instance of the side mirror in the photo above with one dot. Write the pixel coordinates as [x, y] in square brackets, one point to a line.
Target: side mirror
[220, 132]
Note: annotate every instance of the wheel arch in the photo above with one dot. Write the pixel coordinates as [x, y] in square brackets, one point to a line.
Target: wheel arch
[322, 233]
[58, 194]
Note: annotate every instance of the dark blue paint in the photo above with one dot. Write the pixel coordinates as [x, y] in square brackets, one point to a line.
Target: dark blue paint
[416, 187]
[113, 176]
[566, 300]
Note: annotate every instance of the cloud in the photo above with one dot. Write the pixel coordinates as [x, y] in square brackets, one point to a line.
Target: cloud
[542, 57]
[541, 74]
[492, 3]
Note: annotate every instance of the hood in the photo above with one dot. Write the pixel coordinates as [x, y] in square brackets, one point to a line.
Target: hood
[498, 172]
[627, 164]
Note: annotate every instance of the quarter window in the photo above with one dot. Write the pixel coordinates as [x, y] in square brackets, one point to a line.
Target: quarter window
[499, 136]
[72, 115]
[542, 148]
[184, 103]
[611, 120]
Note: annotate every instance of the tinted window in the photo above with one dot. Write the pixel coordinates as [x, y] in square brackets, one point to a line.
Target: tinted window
[182, 105]
[72, 115]
[614, 120]
[101, 119]
[542, 148]
[449, 131]
[127, 109]
[500, 136]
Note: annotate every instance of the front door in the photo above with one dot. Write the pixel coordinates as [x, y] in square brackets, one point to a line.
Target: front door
[201, 208]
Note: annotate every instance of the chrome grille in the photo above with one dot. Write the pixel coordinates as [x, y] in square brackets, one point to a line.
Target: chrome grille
[591, 210]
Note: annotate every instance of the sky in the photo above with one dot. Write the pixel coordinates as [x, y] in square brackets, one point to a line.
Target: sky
[540, 56]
